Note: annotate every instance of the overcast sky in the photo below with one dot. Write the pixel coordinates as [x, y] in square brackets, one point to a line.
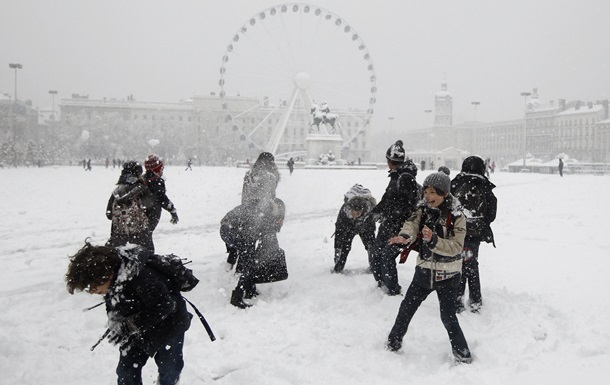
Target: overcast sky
[487, 50]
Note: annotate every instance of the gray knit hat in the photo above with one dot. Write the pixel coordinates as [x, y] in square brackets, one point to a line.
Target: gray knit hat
[440, 180]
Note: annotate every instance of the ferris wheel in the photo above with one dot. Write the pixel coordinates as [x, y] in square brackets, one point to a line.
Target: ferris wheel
[282, 63]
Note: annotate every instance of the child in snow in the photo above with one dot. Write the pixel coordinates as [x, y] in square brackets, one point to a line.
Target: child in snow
[440, 228]
[395, 207]
[129, 209]
[156, 184]
[475, 194]
[251, 231]
[352, 220]
[145, 318]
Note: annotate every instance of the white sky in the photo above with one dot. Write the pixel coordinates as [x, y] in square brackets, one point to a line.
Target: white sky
[487, 50]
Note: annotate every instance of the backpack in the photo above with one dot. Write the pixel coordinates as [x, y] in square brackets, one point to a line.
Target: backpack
[129, 217]
[475, 206]
[178, 276]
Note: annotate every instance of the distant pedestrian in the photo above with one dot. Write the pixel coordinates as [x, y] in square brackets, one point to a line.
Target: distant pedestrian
[560, 167]
[290, 165]
[423, 165]
[189, 165]
[107, 163]
[88, 165]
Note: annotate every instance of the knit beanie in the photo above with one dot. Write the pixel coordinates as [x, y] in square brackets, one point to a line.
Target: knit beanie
[440, 180]
[154, 163]
[396, 153]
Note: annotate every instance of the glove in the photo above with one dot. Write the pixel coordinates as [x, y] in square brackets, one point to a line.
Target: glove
[174, 219]
[121, 333]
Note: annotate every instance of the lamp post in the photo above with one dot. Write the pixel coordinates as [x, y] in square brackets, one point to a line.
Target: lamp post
[475, 104]
[53, 93]
[13, 124]
[525, 95]
[15, 66]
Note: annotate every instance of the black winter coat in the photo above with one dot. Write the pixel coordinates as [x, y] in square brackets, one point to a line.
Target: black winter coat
[156, 185]
[140, 298]
[479, 204]
[346, 227]
[399, 200]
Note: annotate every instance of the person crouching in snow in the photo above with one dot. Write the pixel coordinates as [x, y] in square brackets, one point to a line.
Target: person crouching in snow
[352, 220]
[251, 229]
[440, 228]
[145, 318]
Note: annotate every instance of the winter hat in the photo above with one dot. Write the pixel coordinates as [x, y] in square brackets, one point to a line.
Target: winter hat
[440, 180]
[474, 165]
[132, 167]
[396, 153]
[154, 163]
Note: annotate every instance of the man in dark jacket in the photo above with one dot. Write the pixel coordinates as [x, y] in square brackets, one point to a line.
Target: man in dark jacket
[474, 192]
[145, 318]
[396, 205]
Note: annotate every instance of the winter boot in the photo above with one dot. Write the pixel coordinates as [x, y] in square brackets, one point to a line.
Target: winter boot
[237, 299]
[251, 292]
[393, 345]
[462, 357]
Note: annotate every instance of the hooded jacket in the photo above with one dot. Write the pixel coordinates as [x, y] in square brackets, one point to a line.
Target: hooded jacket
[140, 298]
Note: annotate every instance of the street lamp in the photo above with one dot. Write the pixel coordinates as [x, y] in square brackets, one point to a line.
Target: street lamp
[15, 66]
[525, 95]
[475, 104]
[13, 124]
[53, 93]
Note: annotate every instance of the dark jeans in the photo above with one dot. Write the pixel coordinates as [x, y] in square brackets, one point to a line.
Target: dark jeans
[378, 254]
[343, 245]
[389, 273]
[415, 295]
[470, 273]
[169, 362]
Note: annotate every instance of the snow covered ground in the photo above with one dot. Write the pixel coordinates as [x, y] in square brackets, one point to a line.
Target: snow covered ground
[545, 287]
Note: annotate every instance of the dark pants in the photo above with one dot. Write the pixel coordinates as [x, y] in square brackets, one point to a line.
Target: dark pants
[246, 259]
[470, 274]
[389, 273]
[343, 245]
[169, 363]
[415, 295]
[380, 251]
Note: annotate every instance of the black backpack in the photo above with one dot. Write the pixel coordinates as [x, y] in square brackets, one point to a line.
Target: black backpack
[178, 276]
